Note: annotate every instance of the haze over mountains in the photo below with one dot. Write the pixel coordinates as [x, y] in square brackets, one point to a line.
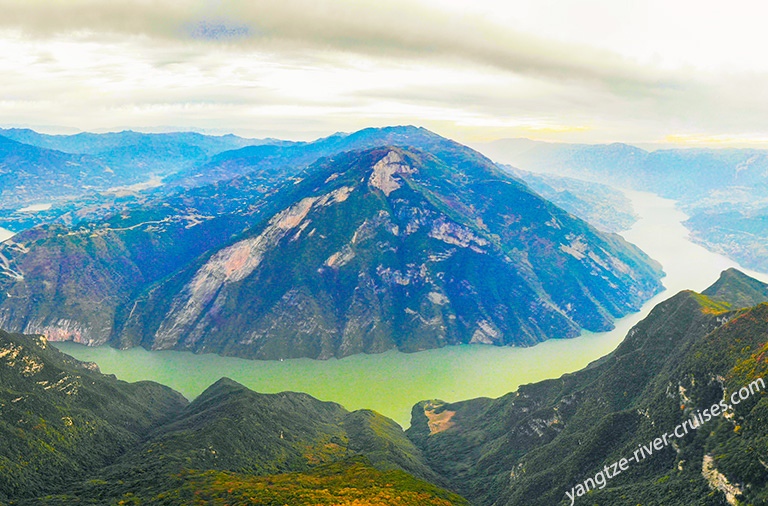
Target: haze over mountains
[37, 167]
[725, 191]
[388, 241]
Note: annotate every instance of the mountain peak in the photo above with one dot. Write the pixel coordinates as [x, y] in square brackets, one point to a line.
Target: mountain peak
[223, 385]
[737, 289]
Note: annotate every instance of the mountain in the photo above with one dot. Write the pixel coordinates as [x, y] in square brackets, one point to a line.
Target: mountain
[398, 248]
[60, 418]
[534, 446]
[28, 173]
[291, 158]
[724, 191]
[617, 163]
[96, 144]
[86, 176]
[158, 154]
[388, 247]
[737, 290]
[739, 231]
[600, 205]
[72, 435]
[682, 174]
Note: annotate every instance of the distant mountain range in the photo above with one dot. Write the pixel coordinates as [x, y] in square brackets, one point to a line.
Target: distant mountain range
[682, 174]
[74, 436]
[725, 191]
[598, 204]
[42, 168]
[397, 239]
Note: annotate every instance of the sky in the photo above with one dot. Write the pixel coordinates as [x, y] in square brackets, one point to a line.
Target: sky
[679, 72]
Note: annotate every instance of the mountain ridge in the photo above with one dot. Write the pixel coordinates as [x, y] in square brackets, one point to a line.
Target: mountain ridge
[531, 446]
[130, 259]
[92, 439]
[390, 172]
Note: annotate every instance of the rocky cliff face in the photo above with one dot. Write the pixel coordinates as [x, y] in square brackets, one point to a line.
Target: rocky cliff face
[419, 244]
[394, 248]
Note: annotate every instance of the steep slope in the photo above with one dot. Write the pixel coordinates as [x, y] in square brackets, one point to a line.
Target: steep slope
[738, 229]
[61, 419]
[535, 445]
[72, 435]
[599, 205]
[738, 290]
[725, 191]
[75, 283]
[75, 278]
[111, 280]
[398, 248]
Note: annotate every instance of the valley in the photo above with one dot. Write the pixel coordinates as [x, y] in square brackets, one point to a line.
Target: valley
[391, 382]
[384, 238]
[409, 253]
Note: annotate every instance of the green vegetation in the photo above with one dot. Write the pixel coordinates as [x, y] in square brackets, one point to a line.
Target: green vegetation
[349, 482]
[532, 446]
[60, 419]
[71, 435]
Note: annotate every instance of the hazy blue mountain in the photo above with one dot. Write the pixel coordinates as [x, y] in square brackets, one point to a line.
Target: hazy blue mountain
[101, 281]
[725, 191]
[682, 174]
[532, 446]
[29, 173]
[600, 205]
[97, 144]
[740, 234]
[73, 171]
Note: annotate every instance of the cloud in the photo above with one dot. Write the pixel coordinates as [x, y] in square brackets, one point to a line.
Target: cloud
[393, 29]
[303, 68]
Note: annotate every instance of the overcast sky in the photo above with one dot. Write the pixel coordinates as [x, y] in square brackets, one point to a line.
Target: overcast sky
[677, 71]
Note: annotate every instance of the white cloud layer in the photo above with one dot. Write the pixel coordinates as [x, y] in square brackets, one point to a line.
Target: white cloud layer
[590, 71]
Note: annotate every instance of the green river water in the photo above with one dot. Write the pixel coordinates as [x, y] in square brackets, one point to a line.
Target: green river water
[391, 383]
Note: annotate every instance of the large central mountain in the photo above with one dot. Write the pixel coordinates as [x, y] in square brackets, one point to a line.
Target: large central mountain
[408, 241]
[396, 248]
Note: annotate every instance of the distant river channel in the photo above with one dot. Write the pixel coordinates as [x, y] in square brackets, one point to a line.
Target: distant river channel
[392, 382]
[5, 234]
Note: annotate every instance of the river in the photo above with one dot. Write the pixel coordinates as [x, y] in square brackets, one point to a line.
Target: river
[5, 234]
[392, 382]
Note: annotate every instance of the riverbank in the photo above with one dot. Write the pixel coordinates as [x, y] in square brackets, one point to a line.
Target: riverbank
[392, 382]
